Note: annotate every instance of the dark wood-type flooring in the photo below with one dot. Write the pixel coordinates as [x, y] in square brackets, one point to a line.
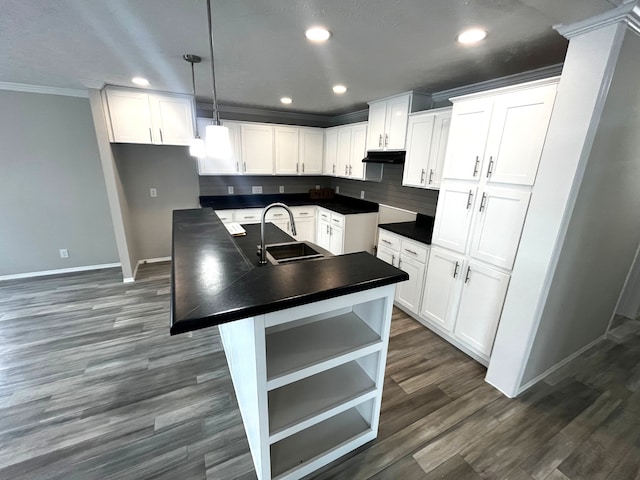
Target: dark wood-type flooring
[93, 387]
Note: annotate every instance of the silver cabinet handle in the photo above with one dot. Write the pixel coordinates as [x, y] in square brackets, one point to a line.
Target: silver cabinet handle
[237, 167]
[399, 262]
[327, 229]
[410, 251]
[288, 228]
[484, 198]
[385, 241]
[346, 169]
[393, 259]
[161, 139]
[430, 176]
[303, 168]
[490, 168]
[244, 166]
[455, 270]
[380, 141]
[335, 220]
[334, 168]
[330, 230]
[422, 176]
[475, 167]
[150, 135]
[466, 278]
[304, 213]
[350, 169]
[278, 214]
[469, 199]
[297, 167]
[386, 139]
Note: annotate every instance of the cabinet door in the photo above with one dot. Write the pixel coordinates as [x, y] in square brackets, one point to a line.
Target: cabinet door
[396, 123]
[336, 244]
[387, 255]
[441, 288]
[217, 166]
[518, 130]
[467, 139]
[497, 231]
[305, 230]
[287, 150]
[438, 149]
[376, 125]
[410, 292]
[282, 225]
[481, 303]
[343, 152]
[311, 151]
[331, 152]
[130, 115]
[358, 151]
[453, 216]
[172, 119]
[419, 138]
[323, 234]
[257, 149]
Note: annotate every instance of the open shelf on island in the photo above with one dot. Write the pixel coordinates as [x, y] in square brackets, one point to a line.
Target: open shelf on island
[306, 402]
[310, 348]
[325, 438]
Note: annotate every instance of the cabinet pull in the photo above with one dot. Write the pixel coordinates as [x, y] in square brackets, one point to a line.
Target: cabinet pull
[350, 169]
[150, 135]
[327, 229]
[385, 241]
[386, 139]
[490, 167]
[244, 166]
[161, 139]
[430, 176]
[304, 213]
[237, 167]
[475, 167]
[393, 259]
[303, 168]
[410, 251]
[330, 230]
[288, 228]
[346, 169]
[422, 176]
[455, 270]
[484, 198]
[297, 167]
[469, 199]
[380, 141]
[399, 262]
[335, 220]
[278, 214]
[334, 169]
[466, 278]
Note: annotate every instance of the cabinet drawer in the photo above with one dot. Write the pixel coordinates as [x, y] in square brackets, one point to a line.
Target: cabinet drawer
[414, 250]
[277, 214]
[248, 215]
[225, 215]
[304, 212]
[337, 220]
[324, 215]
[389, 240]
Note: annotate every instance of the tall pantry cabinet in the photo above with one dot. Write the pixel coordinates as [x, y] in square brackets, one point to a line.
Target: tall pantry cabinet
[493, 151]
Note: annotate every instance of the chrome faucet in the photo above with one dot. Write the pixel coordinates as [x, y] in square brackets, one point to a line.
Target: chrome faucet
[263, 251]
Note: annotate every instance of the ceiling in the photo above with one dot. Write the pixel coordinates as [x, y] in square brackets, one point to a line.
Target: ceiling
[378, 47]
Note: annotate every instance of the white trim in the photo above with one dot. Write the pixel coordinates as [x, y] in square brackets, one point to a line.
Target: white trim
[628, 13]
[128, 280]
[133, 275]
[23, 87]
[557, 366]
[43, 273]
[398, 208]
[509, 88]
[155, 260]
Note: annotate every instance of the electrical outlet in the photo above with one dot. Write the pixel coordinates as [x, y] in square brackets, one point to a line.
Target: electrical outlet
[317, 187]
[153, 192]
[281, 189]
[230, 189]
[64, 253]
[361, 193]
[256, 189]
[337, 189]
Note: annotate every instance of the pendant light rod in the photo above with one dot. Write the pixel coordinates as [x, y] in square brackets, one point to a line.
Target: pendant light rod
[216, 113]
[193, 59]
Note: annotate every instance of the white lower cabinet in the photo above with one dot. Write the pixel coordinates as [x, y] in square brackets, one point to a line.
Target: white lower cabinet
[455, 212]
[345, 233]
[409, 292]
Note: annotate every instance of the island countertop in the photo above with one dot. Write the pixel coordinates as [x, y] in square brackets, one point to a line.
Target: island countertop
[215, 279]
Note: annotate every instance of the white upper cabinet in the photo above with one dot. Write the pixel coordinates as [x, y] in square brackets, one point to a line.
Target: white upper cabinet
[287, 150]
[331, 151]
[377, 117]
[345, 149]
[343, 155]
[453, 216]
[358, 151]
[257, 148]
[467, 139]
[427, 135]
[396, 123]
[311, 151]
[217, 166]
[147, 117]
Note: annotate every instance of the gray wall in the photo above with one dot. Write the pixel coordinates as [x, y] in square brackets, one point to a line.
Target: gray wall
[52, 191]
[173, 173]
[604, 230]
[218, 184]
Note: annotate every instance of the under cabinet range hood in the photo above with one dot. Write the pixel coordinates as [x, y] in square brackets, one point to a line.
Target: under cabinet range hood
[394, 158]
[374, 163]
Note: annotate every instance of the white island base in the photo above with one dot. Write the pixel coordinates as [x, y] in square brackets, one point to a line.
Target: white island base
[309, 379]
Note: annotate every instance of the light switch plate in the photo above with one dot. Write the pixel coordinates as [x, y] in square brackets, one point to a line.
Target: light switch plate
[317, 187]
[281, 189]
[230, 189]
[153, 192]
[256, 189]
[64, 253]
[337, 189]
[361, 193]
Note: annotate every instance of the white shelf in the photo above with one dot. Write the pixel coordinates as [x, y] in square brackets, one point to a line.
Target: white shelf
[293, 456]
[311, 348]
[307, 402]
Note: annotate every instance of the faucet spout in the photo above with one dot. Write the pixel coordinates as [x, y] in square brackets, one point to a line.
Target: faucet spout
[263, 251]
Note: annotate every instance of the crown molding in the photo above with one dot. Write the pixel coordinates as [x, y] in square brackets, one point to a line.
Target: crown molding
[23, 87]
[263, 112]
[502, 82]
[351, 117]
[628, 13]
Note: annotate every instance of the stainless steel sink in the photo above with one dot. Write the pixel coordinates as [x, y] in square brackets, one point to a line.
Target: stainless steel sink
[279, 253]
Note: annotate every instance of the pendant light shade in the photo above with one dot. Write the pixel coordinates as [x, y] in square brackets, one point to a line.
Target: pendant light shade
[197, 148]
[218, 144]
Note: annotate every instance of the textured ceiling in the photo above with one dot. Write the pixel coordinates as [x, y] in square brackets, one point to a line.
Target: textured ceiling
[378, 48]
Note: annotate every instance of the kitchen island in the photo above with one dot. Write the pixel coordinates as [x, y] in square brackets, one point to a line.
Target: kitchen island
[306, 342]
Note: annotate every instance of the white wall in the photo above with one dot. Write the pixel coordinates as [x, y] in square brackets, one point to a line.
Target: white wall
[52, 191]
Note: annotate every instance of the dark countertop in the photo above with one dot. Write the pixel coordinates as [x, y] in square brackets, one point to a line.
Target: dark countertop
[340, 203]
[421, 230]
[215, 277]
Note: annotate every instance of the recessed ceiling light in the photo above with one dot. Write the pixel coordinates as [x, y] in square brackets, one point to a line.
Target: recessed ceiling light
[286, 100]
[339, 89]
[472, 35]
[317, 34]
[143, 82]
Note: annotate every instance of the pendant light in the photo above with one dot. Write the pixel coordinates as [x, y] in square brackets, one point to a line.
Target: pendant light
[217, 141]
[197, 146]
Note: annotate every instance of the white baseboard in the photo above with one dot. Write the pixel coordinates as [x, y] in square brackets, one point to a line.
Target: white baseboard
[559, 365]
[140, 262]
[44, 273]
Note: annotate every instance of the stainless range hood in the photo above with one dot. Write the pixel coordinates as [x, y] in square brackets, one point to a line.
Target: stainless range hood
[374, 163]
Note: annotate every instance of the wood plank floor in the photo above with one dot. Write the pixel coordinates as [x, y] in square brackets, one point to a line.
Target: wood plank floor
[93, 387]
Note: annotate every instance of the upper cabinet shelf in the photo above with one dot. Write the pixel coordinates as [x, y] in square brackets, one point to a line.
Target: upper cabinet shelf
[141, 116]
